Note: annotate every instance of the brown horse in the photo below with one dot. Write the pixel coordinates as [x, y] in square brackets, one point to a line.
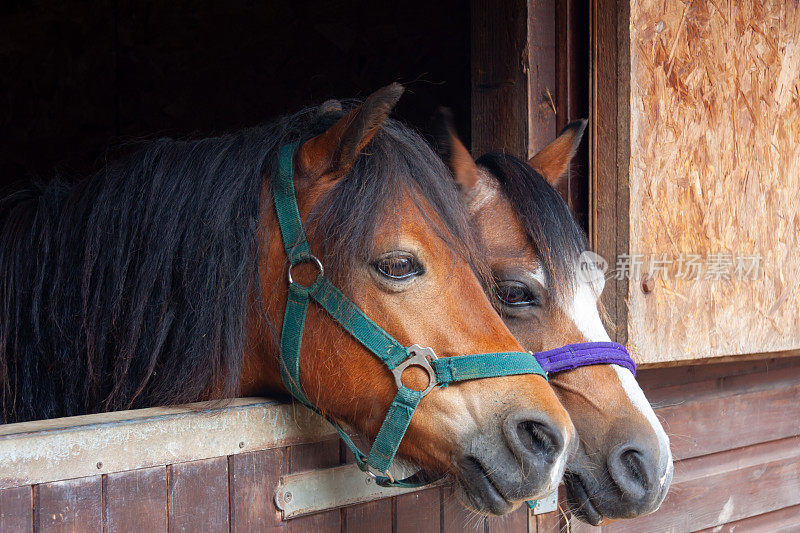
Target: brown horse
[163, 280]
[548, 297]
[504, 438]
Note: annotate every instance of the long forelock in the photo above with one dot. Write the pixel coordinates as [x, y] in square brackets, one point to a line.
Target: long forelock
[397, 168]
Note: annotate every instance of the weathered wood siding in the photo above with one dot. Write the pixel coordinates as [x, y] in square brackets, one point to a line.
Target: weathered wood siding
[735, 433]
[734, 427]
[712, 178]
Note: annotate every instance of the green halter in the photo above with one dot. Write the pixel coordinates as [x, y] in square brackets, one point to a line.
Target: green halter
[393, 354]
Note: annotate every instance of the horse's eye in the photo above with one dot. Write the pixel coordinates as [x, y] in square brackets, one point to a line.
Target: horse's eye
[515, 294]
[398, 267]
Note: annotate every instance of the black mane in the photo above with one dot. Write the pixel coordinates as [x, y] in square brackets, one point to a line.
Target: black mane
[132, 288]
[555, 235]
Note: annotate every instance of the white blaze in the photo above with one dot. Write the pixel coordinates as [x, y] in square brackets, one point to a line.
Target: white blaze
[584, 313]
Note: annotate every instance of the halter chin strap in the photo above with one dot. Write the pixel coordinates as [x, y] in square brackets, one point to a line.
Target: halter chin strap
[585, 354]
[396, 357]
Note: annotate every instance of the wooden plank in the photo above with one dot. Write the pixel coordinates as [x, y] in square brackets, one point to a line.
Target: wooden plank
[784, 520]
[608, 223]
[725, 386]
[546, 523]
[457, 518]
[75, 505]
[576, 526]
[572, 97]
[65, 448]
[652, 379]
[419, 511]
[709, 501]
[372, 517]
[542, 85]
[253, 478]
[16, 509]
[198, 495]
[706, 105]
[704, 427]
[499, 59]
[308, 457]
[514, 522]
[136, 500]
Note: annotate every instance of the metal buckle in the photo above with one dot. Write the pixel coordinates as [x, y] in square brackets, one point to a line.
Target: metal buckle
[308, 259]
[421, 357]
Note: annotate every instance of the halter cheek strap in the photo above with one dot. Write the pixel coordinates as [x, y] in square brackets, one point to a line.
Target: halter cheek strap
[441, 371]
[574, 356]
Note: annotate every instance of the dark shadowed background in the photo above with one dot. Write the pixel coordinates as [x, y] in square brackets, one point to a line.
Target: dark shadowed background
[82, 81]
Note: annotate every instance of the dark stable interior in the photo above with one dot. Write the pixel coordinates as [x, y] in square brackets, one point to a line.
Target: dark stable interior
[82, 84]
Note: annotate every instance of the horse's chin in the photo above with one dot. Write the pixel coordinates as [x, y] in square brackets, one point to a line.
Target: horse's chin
[592, 498]
[579, 502]
[478, 493]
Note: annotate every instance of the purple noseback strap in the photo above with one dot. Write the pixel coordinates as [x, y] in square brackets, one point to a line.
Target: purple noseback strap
[585, 354]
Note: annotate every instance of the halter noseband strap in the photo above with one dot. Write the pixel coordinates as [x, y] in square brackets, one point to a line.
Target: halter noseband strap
[441, 372]
[574, 356]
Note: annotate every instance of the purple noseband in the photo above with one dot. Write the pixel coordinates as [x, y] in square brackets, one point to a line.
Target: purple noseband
[585, 354]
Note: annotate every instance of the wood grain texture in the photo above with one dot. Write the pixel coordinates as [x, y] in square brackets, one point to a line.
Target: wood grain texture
[546, 523]
[253, 478]
[419, 512]
[66, 448]
[718, 424]
[735, 433]
[136, 500]
[499, 66]
[16, 509]
[457, 518]
[542, 81]
[709, 501]
[516, 521]
[309, 457]
[715, 169]
[573, 74]
[75, 505]
[372, 517]
[784, 520]
[198, 496]
[608, 129]
[655, 379]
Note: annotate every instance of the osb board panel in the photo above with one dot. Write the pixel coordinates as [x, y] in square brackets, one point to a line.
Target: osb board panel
[715, 169]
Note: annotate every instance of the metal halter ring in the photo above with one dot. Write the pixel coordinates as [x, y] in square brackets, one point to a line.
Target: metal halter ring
[421, 357]
[368, 471]
[308, 259]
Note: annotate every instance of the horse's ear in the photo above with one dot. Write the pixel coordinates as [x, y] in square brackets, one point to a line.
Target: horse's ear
[333, 153]
[453, 151]
[552, 161]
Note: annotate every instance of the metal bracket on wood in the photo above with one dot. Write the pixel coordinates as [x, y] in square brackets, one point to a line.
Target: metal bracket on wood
[547, 504]
[315, 491]
[319, 490]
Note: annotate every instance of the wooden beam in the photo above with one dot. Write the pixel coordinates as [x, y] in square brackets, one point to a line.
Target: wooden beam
[610, 149]
[65, 448]
[500, 76]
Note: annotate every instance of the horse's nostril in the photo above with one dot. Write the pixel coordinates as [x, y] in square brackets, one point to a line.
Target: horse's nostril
[633, 460]
[633, 470]
[536, 438]
[533, 437]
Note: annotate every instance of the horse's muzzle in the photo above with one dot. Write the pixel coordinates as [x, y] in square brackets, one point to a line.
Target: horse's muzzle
[523, 459]
[634, 483]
